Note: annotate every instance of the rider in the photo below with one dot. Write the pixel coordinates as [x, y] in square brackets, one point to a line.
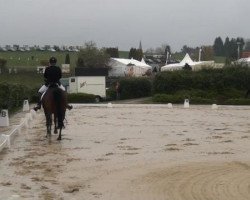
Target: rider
[52, 75]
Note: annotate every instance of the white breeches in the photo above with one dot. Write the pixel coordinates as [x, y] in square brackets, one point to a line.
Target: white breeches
[44, 88]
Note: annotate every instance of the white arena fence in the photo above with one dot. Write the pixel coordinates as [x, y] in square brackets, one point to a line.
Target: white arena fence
[7, 139]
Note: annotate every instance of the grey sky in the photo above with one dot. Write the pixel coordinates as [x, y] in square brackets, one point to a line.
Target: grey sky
[122, 23]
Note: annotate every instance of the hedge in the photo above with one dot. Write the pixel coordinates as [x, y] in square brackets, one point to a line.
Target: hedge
[216, 80]
[81, 98]
[13, 95]
[135, 87]
[223, 86]
[227, 97]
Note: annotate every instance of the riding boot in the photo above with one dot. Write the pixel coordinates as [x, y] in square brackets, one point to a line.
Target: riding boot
[69, 106]
[38, 106]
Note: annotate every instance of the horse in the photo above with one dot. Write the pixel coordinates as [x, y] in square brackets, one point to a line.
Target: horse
[54, 102]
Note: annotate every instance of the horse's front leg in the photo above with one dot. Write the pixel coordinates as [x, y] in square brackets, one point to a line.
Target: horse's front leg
[55, 124]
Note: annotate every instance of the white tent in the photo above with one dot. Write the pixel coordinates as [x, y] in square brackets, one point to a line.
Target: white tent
[128, 67]
[143, 61]
[177, 66]
[244, 61]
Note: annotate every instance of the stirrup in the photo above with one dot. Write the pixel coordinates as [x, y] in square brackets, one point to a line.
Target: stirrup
[69, 107]
[37, 107]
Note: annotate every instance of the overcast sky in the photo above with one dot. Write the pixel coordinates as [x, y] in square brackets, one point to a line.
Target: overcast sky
[122, 23]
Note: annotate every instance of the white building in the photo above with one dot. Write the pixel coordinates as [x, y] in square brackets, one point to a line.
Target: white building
[128, 67]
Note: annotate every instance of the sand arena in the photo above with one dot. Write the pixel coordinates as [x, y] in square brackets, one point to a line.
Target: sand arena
[133, 152]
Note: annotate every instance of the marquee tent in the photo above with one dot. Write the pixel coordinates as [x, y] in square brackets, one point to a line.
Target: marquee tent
[128, 67]
[244, 61]
[177, 66]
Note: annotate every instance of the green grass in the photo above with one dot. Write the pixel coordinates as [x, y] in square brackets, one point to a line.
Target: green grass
[26, 66]
[177, 56]
[219, 59]
[123, 54]
[29, 79]
[32, 59]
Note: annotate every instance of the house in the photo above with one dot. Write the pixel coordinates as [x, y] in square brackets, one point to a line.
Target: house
[245, 54]
[128, 67]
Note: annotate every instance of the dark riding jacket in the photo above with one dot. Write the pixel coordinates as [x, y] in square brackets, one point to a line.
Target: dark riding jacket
[52, 74]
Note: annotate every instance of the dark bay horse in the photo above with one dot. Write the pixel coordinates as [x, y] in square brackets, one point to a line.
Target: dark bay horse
[54, 102]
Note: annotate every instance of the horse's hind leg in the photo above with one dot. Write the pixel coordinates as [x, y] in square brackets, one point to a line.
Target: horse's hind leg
[60, 134]
[60, 126]
[55, 125]
[48, 124]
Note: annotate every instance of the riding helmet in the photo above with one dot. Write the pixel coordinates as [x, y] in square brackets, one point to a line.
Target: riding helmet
[53, 60]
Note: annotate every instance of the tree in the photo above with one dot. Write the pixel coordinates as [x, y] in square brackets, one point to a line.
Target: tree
[150, 51]
[139, 54]
[56, 47]
[132, 53]
[233, 52]
[241, 43]
[67, 59]
[167, 49]
[190, 50]
[218, 47]
[227, 47]
[231, 47]
[207, 53]
[91, 56]
[247, 46]
[113, 52]
[3, 63]
[136, 54]
[159, 50]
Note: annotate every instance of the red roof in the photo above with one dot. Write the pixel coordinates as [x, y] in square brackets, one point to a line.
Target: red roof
[245, 54]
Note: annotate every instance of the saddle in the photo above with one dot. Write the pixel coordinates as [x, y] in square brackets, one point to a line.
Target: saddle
[50, 85]
[53, 85]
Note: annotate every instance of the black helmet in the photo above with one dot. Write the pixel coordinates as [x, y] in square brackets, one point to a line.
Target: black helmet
[52, 60]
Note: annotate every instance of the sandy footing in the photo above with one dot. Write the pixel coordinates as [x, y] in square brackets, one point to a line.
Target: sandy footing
[133, 153]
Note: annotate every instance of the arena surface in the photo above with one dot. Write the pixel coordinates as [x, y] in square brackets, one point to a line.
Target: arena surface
[133, 152]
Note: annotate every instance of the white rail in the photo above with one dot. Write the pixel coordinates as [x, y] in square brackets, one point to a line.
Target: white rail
[7, 139]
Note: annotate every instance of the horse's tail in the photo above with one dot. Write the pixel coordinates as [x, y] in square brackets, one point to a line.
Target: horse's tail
[58, 97]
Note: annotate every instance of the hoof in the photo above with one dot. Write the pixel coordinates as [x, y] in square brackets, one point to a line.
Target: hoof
[59, 138]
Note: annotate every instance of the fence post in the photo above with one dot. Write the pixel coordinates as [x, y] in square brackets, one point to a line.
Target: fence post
[26, 106]
[186, 103]
[4, 118]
